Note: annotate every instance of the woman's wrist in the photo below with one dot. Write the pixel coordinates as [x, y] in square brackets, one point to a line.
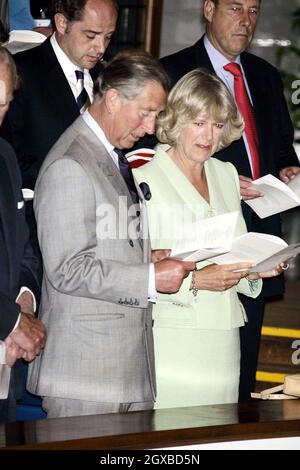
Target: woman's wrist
[253, 277]
[194, 288]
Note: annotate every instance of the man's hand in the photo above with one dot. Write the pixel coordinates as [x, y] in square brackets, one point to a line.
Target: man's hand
[248, 190]
[158, 255]
[169, 274]
[25, 301]
[289, 173]
[13, 352]
[30, 335]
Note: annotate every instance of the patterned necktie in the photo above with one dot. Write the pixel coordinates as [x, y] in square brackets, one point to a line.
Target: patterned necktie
[245, 108]
[127, 175]
[82, 99]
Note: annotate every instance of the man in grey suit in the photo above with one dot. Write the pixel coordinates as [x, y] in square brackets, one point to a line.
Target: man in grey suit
[98, 275]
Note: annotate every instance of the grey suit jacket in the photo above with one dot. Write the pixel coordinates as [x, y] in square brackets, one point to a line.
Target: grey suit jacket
[94, 294]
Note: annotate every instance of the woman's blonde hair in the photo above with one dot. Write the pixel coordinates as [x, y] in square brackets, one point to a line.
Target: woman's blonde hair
[196, 93]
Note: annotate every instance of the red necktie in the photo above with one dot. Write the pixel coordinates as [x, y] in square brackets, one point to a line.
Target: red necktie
[246, 110]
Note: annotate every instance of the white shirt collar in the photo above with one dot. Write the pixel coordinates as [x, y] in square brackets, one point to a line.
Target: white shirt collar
[94, 126]
[69, 69]
[64, 61]
[217, 59]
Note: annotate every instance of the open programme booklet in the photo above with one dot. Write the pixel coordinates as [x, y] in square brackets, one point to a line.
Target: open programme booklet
[212, 239]
[206, 238]
[278, 196]
[266, 251]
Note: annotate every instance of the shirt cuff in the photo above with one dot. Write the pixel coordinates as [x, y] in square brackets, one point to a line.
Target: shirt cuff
[24, 289]
[253, 285]
[152, 292]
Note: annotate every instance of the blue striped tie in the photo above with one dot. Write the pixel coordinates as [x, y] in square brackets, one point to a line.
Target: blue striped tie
[83, 98]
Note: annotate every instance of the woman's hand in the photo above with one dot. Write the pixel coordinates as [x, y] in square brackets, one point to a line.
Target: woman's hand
[219, 278]
[273, 273]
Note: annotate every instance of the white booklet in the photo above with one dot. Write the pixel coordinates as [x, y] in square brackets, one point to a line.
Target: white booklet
[266, 251]
[21, 40]
[206, 238]
[278, 196]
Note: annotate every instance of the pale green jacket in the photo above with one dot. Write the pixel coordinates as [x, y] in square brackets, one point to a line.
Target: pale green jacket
[174, 200]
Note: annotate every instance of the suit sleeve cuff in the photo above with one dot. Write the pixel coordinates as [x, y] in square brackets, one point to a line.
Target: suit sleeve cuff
[25, 289]
[152, 293]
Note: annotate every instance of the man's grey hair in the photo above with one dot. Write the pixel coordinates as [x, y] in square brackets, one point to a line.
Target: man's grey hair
[6, 59]
[128, 72]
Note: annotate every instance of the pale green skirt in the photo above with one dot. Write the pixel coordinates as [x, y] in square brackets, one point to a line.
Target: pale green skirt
[196, 367]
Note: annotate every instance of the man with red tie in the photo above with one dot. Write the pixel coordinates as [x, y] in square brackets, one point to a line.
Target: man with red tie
[267, 143]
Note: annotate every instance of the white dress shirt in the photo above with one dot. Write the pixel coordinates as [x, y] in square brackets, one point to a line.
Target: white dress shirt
[69, 70]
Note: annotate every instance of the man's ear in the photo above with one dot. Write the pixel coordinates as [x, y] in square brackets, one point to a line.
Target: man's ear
[61, 23]
[112, 100]
[208, 10]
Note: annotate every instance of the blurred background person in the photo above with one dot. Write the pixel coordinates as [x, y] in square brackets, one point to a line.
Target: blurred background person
[19, 15]
[57, 83]
[57, 80]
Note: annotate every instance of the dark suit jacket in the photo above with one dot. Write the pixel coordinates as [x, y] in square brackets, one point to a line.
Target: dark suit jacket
[275, 131]
[42, 109]
[19, 265]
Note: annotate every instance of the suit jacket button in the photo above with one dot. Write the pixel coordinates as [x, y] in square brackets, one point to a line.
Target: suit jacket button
[131, 243]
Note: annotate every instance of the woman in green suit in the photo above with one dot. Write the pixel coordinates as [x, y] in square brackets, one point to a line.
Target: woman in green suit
[196, 331]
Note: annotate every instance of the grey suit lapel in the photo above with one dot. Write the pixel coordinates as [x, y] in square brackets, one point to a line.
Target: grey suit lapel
[99, 154]
[103, 161]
